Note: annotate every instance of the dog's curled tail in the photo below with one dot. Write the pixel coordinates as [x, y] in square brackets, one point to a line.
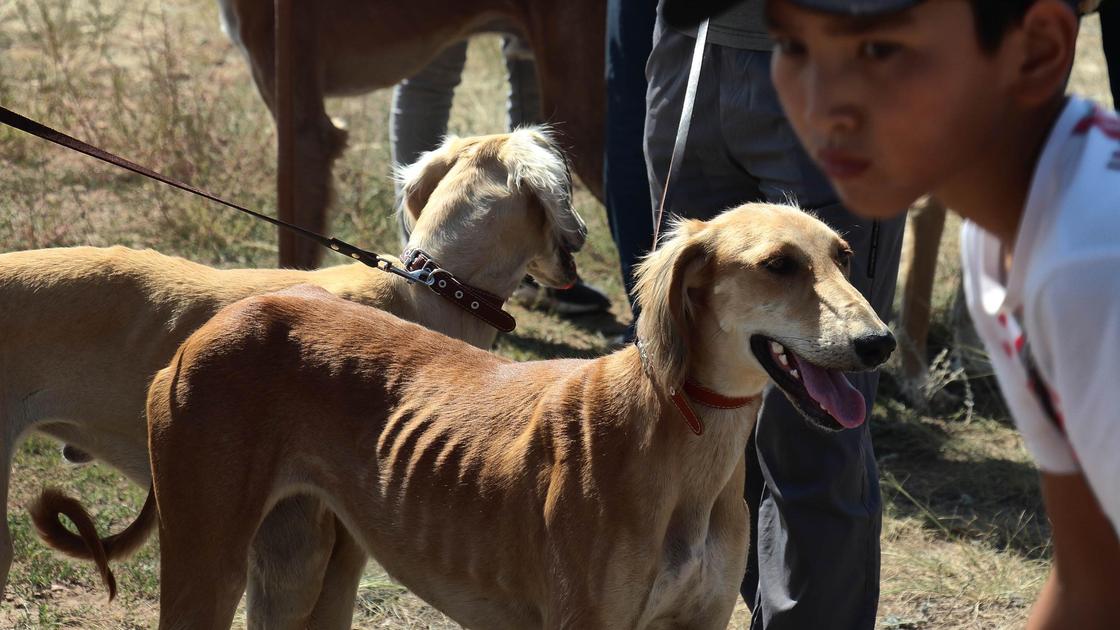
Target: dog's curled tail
[86, 544]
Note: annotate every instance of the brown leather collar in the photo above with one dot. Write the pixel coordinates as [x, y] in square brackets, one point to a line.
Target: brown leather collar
[482, 304]
[706, 397]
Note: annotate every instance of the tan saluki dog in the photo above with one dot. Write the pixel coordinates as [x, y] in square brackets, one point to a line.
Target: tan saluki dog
[347, 47]
[83, 330]
[547, 494]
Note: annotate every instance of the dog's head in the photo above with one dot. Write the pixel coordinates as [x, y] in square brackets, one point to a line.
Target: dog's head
[760, 291]
[512, 192]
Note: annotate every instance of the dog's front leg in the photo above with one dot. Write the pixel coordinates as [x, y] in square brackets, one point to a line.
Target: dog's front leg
[288, 561]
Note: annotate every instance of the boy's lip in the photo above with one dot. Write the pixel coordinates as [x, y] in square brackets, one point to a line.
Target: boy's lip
[838, 164]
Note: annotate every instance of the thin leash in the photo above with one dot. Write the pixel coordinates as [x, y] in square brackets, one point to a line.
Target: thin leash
[695, 391]
[683, 125]
[418, 266]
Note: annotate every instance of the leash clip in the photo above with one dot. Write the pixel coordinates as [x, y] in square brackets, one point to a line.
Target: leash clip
[423, 275]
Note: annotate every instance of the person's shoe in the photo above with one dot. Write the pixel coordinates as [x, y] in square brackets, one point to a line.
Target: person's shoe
[580, 299]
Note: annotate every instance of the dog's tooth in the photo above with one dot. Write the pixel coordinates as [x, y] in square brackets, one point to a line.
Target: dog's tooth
[783, 360]
[776, 347]
[794, 373]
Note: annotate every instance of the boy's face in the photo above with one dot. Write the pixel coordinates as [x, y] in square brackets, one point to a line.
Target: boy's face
[893, 107]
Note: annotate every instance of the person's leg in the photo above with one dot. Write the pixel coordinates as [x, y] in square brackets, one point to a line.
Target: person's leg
[814, 496]
[523, 104]
[420, 109]
[422, 104]
[1110, 38]
[707, 181]
[625, 182]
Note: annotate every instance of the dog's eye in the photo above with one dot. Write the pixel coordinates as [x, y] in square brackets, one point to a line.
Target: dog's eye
[780, 265]
[844, 259]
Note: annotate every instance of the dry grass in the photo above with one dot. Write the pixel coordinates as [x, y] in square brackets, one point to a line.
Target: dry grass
[965, 544]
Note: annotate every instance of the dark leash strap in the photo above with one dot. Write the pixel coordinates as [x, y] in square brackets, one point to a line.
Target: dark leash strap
[477, 302]
[682, 127]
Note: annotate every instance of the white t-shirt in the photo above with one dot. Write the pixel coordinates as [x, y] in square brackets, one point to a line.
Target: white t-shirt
[1060, 303]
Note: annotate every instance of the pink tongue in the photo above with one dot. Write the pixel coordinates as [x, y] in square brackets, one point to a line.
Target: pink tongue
[832, 390]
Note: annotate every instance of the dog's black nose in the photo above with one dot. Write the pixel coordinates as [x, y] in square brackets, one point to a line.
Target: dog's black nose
[874, 349]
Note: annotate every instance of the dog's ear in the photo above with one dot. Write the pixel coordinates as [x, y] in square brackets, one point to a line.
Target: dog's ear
[667, 312]
[419, 179]
[537, 166]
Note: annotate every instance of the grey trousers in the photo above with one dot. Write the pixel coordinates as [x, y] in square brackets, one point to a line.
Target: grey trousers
[813, 496]
[422, 103]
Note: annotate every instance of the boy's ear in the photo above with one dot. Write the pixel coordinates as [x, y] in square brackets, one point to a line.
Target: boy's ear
[1046, 42]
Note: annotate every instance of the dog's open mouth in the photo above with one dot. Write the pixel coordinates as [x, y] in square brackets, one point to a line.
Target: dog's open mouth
[824, 396]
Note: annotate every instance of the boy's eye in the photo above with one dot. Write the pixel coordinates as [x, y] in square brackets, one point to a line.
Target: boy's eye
[878, 51]
[787, 46]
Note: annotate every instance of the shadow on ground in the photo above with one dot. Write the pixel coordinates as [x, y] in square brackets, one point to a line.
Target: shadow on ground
[604, 323]
[966, 482]
[526, 345]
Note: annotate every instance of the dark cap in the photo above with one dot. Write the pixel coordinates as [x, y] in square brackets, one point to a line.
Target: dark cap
[857, 7]
[688, 13]
[878, 7]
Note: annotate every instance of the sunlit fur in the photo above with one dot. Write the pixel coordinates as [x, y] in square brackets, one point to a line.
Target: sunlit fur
[83, 330]
[547, 494]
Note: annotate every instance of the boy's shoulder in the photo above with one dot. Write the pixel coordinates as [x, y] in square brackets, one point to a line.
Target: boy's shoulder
[1073, 208]
[1091, 157]
[1085, 140]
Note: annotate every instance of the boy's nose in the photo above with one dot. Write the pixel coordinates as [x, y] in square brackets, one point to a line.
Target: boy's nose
[828, 104]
